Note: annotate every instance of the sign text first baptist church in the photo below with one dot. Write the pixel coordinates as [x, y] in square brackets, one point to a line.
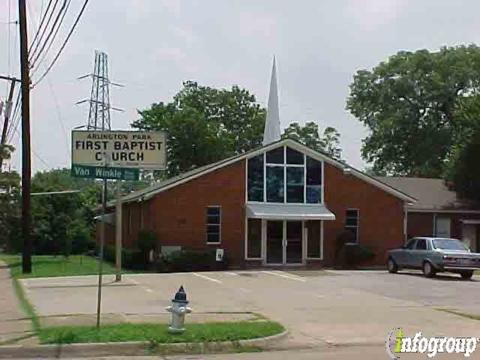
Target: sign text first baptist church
[117, 150]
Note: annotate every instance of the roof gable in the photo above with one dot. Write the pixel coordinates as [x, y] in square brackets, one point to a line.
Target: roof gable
[193, 174]
[432, 194]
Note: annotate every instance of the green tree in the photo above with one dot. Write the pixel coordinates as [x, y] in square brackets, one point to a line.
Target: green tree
[309, 135]
[205, 125]
[10, 238]
[62, 223]
[464, 171]
[462, 164]
[409, 104]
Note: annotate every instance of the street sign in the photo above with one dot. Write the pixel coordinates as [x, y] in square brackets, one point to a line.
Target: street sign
[101, 172]
[119, 149]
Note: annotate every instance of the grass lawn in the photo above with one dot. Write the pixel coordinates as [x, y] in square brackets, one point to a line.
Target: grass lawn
[48, 265]
[158, 333]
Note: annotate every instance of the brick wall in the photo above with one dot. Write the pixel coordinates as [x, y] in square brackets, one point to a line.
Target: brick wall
[178, 215]
[421, 223]
[380, 214]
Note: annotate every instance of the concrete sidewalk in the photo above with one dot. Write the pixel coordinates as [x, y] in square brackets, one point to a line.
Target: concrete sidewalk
[13, 322]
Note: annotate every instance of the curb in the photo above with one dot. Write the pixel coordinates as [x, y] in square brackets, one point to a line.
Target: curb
[134, 348]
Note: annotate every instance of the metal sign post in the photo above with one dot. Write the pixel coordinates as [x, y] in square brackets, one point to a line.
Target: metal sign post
[117, 155]
[100, 255]
[118, 235]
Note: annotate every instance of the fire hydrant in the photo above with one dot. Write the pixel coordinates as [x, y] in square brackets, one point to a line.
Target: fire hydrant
[178, 309]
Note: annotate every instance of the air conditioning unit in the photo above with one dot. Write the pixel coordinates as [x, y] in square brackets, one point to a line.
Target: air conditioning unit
[219, 255]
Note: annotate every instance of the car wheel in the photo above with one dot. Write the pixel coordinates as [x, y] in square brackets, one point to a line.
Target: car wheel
[428, 269]
[392, 266]
[466, 274]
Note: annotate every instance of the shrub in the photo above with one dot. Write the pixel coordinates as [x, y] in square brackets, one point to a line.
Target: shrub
[131, 258]
[78, 238]
[147, 240]
[356, 254]
[190, 260]
[342, 238]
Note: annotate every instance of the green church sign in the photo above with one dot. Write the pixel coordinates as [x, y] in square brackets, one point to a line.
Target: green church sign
[101, 172]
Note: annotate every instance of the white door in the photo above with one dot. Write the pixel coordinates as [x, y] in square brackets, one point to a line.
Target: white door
[469, 236]
[442, 227]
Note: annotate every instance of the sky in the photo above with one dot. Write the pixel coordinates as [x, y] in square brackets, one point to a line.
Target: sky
[155, 45]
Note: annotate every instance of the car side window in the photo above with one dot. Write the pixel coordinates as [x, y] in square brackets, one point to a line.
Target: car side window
[421, 244]
[410, 244]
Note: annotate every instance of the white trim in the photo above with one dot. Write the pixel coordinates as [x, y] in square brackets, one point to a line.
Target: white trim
[323, 183]
[305, 178]
[285, 166]
[449, 228]
[444, 211]
[321, 239]
[470, 221]
[319, 156]
[345, 226]
[246, 181]
[246, 240]
[264, 176]
[285, 244]
[264, 241]
[245, 233]
[219, 226]
[284, 175]
[296, 146]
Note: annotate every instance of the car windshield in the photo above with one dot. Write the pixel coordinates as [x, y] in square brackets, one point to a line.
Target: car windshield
[448, 244]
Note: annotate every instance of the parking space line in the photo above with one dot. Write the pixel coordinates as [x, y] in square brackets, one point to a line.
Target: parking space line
[285, 276]
[231, 273]
[146, 288]
[207, 278]
[133, 281]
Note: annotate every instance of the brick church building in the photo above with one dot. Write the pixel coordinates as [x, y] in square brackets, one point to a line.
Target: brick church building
[282, 204]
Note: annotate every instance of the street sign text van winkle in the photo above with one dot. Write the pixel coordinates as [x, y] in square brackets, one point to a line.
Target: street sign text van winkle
[121, 149]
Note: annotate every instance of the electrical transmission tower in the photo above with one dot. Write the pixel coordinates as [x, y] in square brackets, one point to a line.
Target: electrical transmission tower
[99, 113]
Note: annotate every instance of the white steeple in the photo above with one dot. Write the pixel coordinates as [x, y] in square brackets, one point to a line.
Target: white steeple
[272, 123]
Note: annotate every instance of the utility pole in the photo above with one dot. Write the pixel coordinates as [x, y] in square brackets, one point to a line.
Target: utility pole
[26, 156]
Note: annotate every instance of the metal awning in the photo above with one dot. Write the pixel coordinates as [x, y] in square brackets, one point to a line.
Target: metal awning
[289, 212]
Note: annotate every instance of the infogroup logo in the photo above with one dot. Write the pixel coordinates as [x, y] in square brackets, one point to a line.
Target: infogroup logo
[397, 343]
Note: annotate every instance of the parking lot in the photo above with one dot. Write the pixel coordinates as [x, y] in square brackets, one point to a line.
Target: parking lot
[317, 307]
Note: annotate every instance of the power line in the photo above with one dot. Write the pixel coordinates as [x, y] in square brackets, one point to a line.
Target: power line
[37, 155]
[15, 118]
[43, 16]
[41, 29]
[51, 35]
[59, 117]
[43, 58]
[63, 45]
